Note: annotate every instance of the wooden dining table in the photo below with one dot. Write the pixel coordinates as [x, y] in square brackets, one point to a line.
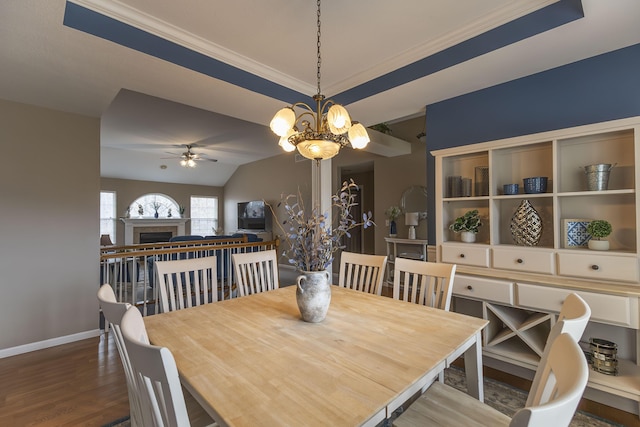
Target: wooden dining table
[252, 361]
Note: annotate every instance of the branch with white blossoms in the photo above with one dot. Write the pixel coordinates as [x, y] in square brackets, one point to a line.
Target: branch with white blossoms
[312, 242]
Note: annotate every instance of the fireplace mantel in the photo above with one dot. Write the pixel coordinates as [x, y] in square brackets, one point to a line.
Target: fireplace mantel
[130, 224]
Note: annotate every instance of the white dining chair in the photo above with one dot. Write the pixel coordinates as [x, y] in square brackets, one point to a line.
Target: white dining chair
[256, 272]
[362, 272]
[154, 368]
[573, 319]
[113, 312]
[553, 397]
[426, 283]
[564, 377]
[187, 282]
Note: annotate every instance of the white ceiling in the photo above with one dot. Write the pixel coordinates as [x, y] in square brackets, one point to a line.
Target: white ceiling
[149, 105]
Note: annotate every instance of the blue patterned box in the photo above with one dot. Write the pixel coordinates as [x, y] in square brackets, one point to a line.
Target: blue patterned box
[575, 232]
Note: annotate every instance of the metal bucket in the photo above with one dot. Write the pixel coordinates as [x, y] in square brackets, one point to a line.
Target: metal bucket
[604, 356]
[598, 176]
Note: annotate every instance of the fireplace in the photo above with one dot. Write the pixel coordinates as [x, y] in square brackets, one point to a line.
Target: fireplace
[134, 227]
[155, 236]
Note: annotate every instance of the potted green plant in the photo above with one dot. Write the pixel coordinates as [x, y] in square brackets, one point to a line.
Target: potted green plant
[467, 225]
[599, 229]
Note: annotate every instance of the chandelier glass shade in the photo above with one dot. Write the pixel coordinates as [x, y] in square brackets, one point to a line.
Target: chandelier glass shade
[318, 133]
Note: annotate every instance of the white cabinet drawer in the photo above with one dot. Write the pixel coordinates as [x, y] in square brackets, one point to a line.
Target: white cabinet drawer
[531, 260]
[483, 289]
[616, 309]
[598, 266]
[468, 254]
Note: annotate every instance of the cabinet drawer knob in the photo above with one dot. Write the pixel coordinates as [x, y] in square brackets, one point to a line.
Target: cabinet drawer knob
[461, 255]
[519, 260]
[595, 267]
[469, 287]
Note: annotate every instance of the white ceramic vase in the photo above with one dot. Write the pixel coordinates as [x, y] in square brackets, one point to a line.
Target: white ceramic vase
[468, 236]
[314, 295]
[599, 245]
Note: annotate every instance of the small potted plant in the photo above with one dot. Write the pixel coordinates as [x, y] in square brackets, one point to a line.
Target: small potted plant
[467, 225]
[599, 229]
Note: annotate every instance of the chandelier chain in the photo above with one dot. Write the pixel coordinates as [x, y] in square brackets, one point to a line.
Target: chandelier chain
[318, 44]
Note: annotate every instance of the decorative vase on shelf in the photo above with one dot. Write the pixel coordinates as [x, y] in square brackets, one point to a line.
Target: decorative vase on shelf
[526, 225]
[468, 236]
[393, 232]
[313, 295]
[155, 215]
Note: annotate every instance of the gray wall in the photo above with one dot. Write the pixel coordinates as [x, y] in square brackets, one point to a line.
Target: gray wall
[50, 182]
[129, 190]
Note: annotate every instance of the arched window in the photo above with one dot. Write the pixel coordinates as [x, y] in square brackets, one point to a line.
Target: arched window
[148, 205]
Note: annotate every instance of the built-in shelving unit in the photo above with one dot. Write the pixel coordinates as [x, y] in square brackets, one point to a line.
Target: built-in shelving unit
[520, 289]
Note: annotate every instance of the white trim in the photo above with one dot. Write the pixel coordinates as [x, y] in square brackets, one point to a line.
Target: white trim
[39, 345]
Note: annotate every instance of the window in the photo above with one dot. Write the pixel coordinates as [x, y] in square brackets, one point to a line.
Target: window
[148, 205]
[204, 215]
[108, 214]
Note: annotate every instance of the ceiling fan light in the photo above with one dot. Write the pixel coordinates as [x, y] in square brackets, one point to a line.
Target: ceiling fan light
[183, 163]
[191, 163]
[338, 119]
[283, 121]
[358, 136]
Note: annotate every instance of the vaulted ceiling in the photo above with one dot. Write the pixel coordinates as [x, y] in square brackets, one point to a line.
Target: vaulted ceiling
[162, 74]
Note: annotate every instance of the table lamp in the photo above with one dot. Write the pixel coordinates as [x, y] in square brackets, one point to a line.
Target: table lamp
[411, 219]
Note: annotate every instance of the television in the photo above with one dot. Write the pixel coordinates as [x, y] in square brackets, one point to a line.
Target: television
[251, 215]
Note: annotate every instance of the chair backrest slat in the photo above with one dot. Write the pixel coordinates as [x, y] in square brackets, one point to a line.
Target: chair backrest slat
[187, 282]
[425, 283]
[362, 272]
[256, 271]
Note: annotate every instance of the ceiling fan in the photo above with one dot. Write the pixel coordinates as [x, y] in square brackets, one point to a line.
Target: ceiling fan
[188, 158]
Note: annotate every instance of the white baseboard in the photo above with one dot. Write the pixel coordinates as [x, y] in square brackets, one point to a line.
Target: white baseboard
[26, 348]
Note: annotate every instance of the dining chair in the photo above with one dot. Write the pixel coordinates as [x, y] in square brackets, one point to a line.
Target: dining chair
[154, 369]
[564, 377]
[553, 396]
[573, 319]
[362, 272]
[187, 282]
[113, 312]
[426, 283]
[256, 271]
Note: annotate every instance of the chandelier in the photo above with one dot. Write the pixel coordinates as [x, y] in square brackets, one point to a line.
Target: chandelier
[318, 134]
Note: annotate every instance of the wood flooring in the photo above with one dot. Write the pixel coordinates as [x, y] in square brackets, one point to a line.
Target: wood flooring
[76, 384]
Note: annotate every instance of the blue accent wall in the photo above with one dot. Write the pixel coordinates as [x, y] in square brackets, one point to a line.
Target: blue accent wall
[598, 89]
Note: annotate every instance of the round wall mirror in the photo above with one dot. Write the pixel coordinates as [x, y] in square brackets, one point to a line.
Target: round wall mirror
[414, 199]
